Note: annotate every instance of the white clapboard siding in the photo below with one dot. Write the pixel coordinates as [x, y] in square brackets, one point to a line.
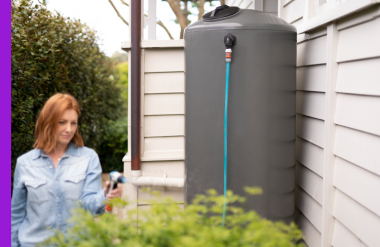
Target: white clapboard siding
[243, 3]
[342, 237]
[360, 41]
[293, 10]
[298, 22]
[312, 78]
[309, 182]
[173, 125]
[312, 52]
[361, 185]
[270, 6]
[311, 104]
[238, 3]
[309, 207]
[164, 60]
[310, 155]
[283, 3]
[164, 104]
[359, 112]
[165, 82]
[310, 234]
[310, 129]
[358, 219]
[164, 147]
[172, 169]
[359, 17]
[358, 147]
[359, 77]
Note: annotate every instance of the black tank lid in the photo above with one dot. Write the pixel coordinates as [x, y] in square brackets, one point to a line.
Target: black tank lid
[220, 12]
[243, 19]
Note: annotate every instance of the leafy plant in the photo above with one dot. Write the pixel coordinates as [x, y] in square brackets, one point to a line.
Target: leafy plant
[166, 224]
[51, 54]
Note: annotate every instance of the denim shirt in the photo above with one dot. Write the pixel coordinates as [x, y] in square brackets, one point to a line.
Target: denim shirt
[43, 196]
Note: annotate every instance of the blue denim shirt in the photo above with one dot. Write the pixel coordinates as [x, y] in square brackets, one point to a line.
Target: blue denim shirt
[43, 196]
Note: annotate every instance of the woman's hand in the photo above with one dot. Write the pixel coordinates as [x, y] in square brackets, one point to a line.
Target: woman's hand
[118, 192]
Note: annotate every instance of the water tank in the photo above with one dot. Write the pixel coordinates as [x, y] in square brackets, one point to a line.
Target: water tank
[261, 111]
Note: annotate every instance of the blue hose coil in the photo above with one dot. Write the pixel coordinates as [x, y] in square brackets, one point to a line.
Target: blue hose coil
[225, 140]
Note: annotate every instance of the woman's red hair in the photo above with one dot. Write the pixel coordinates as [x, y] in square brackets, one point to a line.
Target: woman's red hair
[48, 120]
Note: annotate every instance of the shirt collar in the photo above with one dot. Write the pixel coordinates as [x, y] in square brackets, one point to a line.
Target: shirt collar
[71, 150]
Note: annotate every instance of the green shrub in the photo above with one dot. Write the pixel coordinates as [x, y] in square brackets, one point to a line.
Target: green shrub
[166, 224]
[53, 54]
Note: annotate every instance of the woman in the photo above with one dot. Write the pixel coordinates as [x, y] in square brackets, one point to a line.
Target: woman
[56, 176]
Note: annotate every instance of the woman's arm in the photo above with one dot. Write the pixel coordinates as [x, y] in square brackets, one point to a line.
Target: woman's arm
[93, 197]
[18, 206]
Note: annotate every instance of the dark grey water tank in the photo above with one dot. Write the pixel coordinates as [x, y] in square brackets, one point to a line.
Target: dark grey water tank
[261, 113]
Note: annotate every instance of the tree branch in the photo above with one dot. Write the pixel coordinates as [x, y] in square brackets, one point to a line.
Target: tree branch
[124, 3]
[117, 12]
[181, 18]
[163, 26]
[158, 22]
[201, 8]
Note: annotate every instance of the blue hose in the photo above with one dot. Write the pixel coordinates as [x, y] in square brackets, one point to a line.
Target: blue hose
[225, 140]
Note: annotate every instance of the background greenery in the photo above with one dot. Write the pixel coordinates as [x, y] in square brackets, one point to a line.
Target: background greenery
[115, 143]
[51, 54]
[167, 224]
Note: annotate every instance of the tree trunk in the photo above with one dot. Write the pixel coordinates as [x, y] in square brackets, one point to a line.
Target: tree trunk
[201, 9]
[182, 20]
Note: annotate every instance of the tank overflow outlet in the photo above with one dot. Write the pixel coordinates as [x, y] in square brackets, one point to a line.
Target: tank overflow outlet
[229, 41]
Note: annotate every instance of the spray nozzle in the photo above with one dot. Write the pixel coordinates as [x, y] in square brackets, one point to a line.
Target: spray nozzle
[229, 41]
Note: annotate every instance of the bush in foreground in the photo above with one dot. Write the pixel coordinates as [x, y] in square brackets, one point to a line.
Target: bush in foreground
[166, 224]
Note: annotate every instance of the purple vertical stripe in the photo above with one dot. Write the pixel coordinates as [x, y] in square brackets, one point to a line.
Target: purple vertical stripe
[5, 123]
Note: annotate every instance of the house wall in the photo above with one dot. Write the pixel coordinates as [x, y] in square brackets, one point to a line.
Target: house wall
[162, 118]
[338, 126]
[267, 6]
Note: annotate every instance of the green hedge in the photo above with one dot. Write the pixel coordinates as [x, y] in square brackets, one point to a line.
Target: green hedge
[51, 54]
[115, 145]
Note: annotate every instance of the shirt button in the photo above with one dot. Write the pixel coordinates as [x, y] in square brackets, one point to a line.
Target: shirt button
[59, 166]
[58, 214]
[51, 167]
[56, 180]
[57, 197]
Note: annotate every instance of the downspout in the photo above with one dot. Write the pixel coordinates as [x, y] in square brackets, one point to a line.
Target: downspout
[137, 178]
[135, 83]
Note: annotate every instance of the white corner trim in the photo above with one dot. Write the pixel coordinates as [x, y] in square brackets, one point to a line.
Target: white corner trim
[139, 180]
[335, 13]
[329, 134]
[126, 45]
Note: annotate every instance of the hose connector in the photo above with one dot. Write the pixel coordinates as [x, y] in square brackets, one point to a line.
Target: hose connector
[228, 55]
[229, 42]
